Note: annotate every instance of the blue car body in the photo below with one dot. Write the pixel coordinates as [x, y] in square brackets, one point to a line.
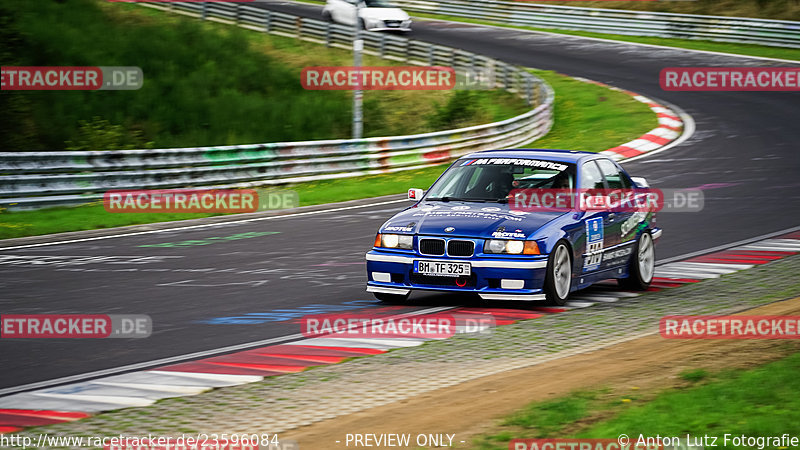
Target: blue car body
[598, 247]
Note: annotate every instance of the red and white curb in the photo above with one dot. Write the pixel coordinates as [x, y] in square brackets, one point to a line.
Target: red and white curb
[79, 400]
[670, 127]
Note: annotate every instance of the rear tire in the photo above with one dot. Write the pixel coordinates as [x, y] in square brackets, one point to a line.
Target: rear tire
[642, 265]
[558, 278]
[390, 298]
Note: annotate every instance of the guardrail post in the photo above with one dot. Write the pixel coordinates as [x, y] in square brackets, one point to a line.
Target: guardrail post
[453, 58]
[204, 14]
[431, 55]
[408, 50]
[299, 27]
[528, 89]
[328, 34]
[382, 46]
[236, 13]
[268, 22]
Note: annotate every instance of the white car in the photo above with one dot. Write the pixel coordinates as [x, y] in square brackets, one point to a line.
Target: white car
[374, 15]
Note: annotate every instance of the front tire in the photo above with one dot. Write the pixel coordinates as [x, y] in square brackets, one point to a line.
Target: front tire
[641, 266]
[558, 278]
[390, 298]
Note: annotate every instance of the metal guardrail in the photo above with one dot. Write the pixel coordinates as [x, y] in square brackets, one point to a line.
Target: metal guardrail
[780, 33]
[40, 179]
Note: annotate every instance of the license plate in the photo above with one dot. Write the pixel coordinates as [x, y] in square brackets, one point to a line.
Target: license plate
[443, 268]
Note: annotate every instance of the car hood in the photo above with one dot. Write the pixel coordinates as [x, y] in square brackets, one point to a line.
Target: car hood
[384, 13]
[478, 220]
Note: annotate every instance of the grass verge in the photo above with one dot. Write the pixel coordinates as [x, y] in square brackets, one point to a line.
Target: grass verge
[587, 117]
[754, 402]
[229, 86]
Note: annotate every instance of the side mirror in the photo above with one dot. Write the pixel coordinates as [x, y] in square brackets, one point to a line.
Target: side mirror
[415, 194]
[640, 182]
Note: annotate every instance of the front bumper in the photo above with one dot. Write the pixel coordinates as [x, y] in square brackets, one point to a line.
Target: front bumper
[496, 278]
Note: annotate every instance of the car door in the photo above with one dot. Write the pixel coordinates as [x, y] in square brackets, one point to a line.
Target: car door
[595, 222]
[617, 183]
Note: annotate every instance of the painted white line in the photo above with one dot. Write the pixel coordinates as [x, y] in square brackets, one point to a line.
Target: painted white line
[355, 343]
[179, 379]
[684, 274]
[769, 247]
[666, 133]
[210, 379]
[579, 304]
[173, 389]
[596, 298]
[38, 402]
[204, 225]
[92, 389]
[118, 402]
[707, 267]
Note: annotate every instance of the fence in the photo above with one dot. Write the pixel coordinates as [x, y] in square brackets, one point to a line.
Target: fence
[41, 179]
[781, 33]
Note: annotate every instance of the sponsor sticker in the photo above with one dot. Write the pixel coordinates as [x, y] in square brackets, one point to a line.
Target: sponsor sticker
[517, 162]
[516, 234]
[594, 244]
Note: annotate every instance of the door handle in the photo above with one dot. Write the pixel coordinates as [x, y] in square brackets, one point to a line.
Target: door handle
[611, 217]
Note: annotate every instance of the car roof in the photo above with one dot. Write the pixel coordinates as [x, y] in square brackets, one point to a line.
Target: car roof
[570, 156]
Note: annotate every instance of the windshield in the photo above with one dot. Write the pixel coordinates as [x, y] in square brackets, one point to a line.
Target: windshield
[492, 179]
[378, 4]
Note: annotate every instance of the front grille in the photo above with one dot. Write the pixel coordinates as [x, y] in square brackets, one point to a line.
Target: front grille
[460, 248]
[393, 23]
[430, 280]
[434, 247]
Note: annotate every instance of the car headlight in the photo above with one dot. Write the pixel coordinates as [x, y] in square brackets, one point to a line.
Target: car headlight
[404, 241]
[511, 247]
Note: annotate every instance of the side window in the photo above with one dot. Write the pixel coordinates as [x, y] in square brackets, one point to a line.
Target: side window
[615, 178]
[591, 178]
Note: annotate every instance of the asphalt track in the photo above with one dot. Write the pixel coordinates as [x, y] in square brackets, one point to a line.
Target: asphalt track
[743, 155]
